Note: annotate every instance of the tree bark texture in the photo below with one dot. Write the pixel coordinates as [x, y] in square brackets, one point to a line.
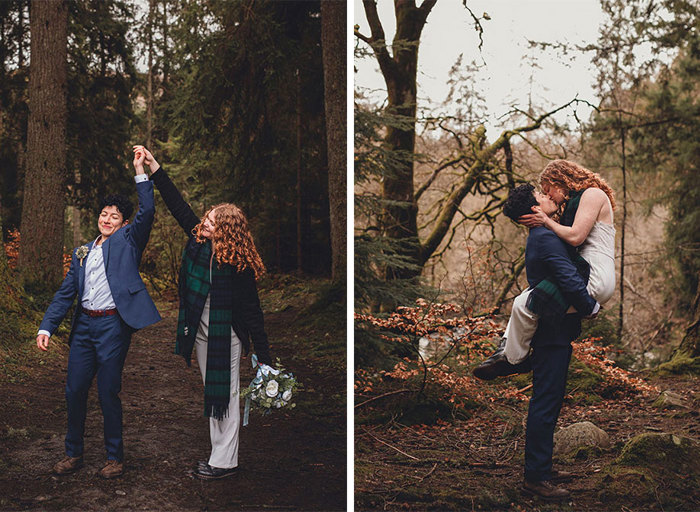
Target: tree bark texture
[333, 43]
[399, 71]
[300, 252]
[149, 89]
[41, 249]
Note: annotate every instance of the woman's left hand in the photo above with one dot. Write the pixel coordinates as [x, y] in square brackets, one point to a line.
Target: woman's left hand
[532, 220]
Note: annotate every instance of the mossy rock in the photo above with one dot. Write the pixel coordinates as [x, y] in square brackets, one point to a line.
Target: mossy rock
[681, 364]
[663, 452]
[670, 400]
[626, 485]
[654, 470]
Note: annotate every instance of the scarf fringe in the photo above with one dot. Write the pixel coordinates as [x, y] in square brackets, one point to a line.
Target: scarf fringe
[218, 412]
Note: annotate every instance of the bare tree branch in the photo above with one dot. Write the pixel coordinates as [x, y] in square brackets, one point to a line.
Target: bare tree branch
[477, 24]
[471, 179]
[441, 167]
[517, 270]
[378, 39]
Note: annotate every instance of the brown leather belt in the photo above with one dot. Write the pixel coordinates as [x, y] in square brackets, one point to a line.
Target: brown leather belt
[98, 312]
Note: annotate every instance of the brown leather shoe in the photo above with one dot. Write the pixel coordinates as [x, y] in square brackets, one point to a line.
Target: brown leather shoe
[112, 469]
[68, 465]
[545, 490]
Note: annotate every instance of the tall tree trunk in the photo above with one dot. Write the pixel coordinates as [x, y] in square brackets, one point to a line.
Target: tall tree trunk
[76, 217]
[333, 43]
[300, 267]
[41, 249]
[399, 72]
[149, 92]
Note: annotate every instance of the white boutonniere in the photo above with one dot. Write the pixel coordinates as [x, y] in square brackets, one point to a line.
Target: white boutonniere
[81, 252]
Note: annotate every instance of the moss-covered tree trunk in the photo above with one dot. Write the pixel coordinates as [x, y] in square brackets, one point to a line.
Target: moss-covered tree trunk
[399, 71]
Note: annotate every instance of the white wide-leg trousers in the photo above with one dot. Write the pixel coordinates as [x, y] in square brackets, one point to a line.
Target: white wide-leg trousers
[223, 433]
[523, 322]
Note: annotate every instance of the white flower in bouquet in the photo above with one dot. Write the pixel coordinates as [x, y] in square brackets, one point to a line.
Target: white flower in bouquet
[272, 389]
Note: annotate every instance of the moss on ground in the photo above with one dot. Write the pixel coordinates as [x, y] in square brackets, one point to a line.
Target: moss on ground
[658, 470]
[680, 364]
[19, 321]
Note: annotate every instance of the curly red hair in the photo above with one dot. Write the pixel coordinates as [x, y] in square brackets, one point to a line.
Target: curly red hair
[570, 176]
[232, 241]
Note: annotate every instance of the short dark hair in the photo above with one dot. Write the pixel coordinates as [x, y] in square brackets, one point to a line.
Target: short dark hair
[520, 201]
[123, 204]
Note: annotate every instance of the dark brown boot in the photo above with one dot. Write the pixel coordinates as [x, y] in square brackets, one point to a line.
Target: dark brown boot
[112, 469]
[68, 465]
[545, 490]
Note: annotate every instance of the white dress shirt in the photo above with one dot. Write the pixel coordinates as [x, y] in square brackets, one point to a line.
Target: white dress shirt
[96, 294]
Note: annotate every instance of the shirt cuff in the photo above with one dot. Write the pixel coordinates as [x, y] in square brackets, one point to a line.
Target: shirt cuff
[596, 308]
[140, 178]
[44, 332]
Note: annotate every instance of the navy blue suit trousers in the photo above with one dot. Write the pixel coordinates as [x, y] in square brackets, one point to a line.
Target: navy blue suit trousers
[99, 347]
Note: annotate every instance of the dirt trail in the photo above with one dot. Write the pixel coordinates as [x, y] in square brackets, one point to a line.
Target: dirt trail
[291, 460]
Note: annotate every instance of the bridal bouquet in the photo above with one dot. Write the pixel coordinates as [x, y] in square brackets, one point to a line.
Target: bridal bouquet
[270, 389]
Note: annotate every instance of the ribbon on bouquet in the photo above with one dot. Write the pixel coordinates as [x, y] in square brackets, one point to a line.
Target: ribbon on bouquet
[248, 400]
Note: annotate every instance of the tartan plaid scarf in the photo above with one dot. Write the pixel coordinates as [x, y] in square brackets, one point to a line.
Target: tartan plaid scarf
[195, 286]
[546, 298]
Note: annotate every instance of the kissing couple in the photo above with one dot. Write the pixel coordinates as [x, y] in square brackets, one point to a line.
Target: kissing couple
[219, 314]
[570, 265]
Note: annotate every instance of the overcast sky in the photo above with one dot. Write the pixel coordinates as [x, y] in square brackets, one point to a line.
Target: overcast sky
[506, 78]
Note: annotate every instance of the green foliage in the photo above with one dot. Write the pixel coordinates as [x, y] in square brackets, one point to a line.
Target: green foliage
[100, 82]
[248, 114]
[238, 112]
[379, 259]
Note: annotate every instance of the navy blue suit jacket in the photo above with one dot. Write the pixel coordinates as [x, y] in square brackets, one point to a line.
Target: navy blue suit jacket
[546, 256]
[122, 254]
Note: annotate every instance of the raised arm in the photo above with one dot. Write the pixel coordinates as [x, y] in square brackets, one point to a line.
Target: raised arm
[143, 222]
[593, 200]
[179, 208]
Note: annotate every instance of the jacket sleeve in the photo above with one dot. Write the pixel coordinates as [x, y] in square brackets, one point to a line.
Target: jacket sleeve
[179, 208]
[62, 300]
[143, 222]
[553, 252]
[252, 314]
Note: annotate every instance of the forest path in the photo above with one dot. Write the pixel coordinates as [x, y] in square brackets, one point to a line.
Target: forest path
[477, 463]
[290, 460]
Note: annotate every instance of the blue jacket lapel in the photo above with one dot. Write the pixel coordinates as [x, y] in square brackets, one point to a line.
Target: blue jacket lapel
[105, 252]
